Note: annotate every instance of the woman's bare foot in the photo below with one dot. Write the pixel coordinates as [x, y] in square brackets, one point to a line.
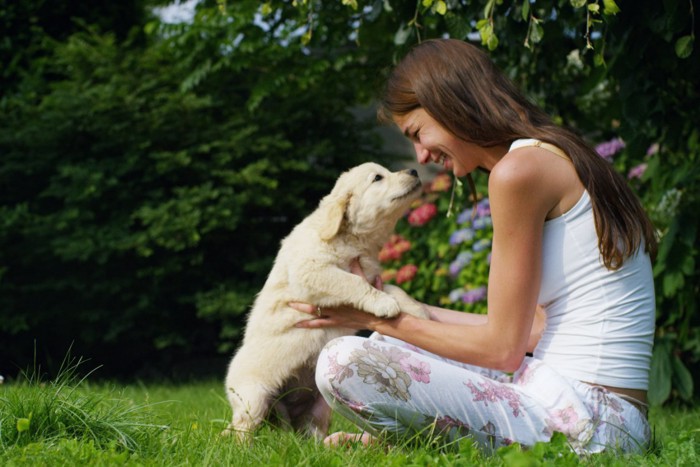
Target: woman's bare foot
[342, 438]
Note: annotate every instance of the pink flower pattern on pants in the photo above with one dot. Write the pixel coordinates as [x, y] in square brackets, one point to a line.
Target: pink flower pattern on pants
[418, 370]
[565, 421]
[389, 369]
[494, 392]
[388, 387]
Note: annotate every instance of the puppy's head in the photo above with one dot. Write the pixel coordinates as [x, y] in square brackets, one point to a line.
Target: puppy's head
[368, 199]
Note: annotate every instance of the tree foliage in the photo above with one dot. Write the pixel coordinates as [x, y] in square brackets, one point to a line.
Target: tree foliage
[145, 187]
[27, 28]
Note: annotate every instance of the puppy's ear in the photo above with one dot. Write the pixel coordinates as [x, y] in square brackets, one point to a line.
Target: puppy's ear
[333, 213]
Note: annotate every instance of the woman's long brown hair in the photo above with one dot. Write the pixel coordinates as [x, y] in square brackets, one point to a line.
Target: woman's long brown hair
[461, 88]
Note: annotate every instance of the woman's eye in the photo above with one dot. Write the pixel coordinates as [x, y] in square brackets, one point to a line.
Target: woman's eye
[378, 177]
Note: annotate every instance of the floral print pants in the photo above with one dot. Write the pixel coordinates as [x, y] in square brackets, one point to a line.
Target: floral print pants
[388, 387]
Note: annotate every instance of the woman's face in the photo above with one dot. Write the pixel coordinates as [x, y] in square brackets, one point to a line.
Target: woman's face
[433, 143]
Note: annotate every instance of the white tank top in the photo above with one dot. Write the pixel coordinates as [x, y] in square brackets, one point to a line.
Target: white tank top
[599, 324]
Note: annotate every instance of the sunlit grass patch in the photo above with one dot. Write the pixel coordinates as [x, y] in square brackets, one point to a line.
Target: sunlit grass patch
[67, 408]
[75, 422]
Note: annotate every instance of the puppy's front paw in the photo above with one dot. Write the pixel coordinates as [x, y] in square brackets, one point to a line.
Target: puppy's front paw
[242, 437]
[385, 307]
[407, 304]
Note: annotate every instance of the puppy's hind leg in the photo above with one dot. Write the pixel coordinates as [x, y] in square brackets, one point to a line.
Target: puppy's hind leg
[250, 403]
[319, 419]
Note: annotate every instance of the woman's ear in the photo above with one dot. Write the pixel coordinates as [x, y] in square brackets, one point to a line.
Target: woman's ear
[333, 213]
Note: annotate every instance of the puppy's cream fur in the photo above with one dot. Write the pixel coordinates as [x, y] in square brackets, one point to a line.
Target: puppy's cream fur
[273, 370]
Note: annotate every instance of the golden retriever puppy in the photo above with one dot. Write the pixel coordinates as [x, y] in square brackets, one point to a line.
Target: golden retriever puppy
[273, 370]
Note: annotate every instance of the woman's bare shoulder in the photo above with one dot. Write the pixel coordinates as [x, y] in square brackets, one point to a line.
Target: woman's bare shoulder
[528, 179]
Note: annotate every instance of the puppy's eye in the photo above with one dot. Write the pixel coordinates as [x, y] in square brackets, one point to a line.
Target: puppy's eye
[378, 177]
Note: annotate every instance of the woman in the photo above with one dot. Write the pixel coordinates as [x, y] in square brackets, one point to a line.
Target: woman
[571, 247]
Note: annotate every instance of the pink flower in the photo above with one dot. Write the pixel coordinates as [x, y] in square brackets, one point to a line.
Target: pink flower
[402, 246]
[653, 149]
[406, 273]
[418, 370]
[441, 182]
[637, 171]
[422, 214]
[388, 274]
[388, 253]
[563, 420]
[492, 391]
[394, 248]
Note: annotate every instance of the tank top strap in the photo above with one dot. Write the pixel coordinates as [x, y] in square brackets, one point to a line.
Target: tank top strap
[521, 143]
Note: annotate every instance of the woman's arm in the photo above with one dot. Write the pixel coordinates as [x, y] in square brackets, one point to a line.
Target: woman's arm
[521, 195]
[444, 315]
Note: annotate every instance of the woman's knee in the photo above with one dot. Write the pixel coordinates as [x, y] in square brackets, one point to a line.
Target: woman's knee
[332, 360]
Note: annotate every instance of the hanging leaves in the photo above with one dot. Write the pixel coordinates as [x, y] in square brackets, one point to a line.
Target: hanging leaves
[684, 46]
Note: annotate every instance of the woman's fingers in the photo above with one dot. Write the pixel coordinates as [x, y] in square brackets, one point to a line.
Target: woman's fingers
[308, 324]
[303, 307]
[318, 320]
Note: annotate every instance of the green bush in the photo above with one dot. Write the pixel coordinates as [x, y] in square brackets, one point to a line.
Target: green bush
[145, 187]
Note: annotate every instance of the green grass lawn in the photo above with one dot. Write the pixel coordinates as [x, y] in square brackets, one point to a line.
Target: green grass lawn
[65, 423]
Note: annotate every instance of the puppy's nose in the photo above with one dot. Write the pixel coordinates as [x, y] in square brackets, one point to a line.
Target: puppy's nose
[412, 172]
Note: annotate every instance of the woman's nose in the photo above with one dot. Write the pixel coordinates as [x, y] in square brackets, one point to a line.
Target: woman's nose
[422, 154]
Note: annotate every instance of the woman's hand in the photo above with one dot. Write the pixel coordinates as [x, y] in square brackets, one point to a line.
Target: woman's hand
[342, 316]
[338, 317]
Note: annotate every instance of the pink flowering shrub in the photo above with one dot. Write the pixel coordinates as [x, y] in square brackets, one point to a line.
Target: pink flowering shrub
[422, 214]
[437, 259]
[406, 273]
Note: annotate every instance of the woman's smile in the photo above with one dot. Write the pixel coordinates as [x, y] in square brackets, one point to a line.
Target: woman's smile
[433, 143]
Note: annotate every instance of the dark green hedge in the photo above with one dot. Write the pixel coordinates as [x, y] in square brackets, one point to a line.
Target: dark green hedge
[144, 189]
